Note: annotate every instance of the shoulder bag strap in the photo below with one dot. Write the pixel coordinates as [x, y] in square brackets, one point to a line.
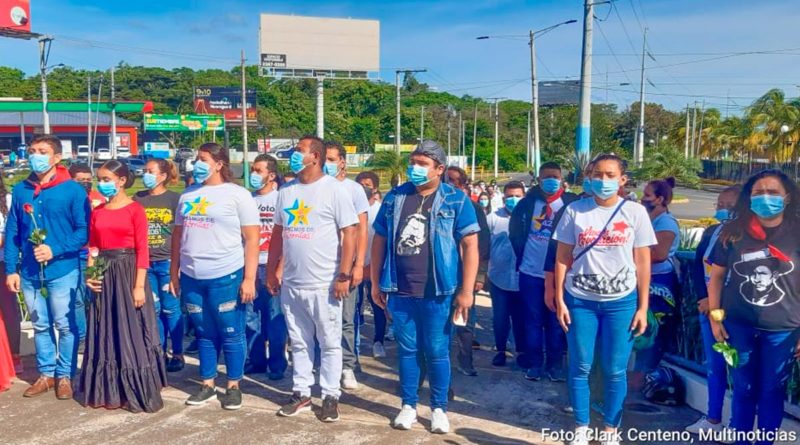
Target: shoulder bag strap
[600, 235]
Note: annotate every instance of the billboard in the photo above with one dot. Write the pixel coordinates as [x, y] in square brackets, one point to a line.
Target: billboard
[183, 122]
[303, 45]
[559, 92]
[225, 101]
[15, 15]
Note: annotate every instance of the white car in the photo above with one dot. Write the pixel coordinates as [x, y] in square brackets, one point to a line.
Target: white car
[123, 152]
[103, 153]
[83, 151]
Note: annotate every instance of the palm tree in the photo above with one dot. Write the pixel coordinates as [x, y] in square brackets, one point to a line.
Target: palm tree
[770, 113]
[390, 163]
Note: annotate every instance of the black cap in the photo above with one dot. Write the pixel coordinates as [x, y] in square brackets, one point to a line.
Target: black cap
[432, 150]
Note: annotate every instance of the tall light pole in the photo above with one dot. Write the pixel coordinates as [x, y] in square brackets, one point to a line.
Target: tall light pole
[639, 152]
[397, 140]
[245, 163]
[496, 133]
[421, 123]
[535, 156]
[584, 131]
[45, 42]
[113, 117]
[474, 140]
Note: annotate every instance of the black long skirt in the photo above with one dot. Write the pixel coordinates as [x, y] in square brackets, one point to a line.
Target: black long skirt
[123, 364]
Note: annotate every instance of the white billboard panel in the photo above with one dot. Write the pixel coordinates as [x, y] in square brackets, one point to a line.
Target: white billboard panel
[289, 42]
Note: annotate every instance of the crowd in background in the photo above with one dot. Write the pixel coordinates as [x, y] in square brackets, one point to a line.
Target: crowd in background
[281, 273]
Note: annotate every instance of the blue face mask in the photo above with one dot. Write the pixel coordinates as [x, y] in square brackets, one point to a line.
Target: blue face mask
[484, 202]
[722, 215]
[256, 181]
[107, 189]
[587, 186]
[331, 168]
[512, 202]
[605, 188]
[418, 175]
[149, 180]
[551, 185]
[296, 162]
[201, 172]
[767, 206]
[39, 163]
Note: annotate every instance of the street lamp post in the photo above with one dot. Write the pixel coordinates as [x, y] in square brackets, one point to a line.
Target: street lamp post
[536, 156]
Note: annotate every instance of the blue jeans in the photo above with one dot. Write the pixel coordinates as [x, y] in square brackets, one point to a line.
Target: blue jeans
[610, 323]
[378, 315]
[716, 371]
[759, 383]
[168, 306]
[542, 333]
[59, 312]
[218, 316]
[507, 315]
[269, 327]
[423, 324]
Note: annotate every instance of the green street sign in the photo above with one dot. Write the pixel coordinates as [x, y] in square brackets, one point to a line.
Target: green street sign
[183, 122]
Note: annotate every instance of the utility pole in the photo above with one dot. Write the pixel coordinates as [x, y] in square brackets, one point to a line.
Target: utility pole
[44, 54]
[686, 131]
[639, 151]
[448, 138]
[496, 135]
[528, 153]
[397, 141]
[694, 126]
[460, 135]
[536, 155]
[245, 163]
[113, 117]
[421, 124]
[474, 140]
[700, 133]
[583, 133]
[89, 115]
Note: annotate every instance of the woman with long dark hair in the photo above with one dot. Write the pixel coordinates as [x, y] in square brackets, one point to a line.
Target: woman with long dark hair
[602, 284]
[754, 299]
[159, 205]
[215, 262]
[123, 365]
[9, 308]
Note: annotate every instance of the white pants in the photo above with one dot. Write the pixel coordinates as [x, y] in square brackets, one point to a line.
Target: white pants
[310, 314]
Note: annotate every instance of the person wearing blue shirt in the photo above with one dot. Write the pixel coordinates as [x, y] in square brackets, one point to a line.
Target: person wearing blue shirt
[48, 274]
[425, 252]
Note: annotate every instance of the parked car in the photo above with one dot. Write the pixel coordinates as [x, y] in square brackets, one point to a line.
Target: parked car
[103, 153]
[83, 152]
[123, 152]
[137, 166]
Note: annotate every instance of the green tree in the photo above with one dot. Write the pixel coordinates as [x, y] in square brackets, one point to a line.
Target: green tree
[667, 160]
[390, 163]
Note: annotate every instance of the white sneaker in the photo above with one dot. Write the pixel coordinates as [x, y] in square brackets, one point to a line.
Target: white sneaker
[406, 418]
[702, 425]
[349, 381]
[378, 351]
[439, 422]
[609, 442]
[581, 436]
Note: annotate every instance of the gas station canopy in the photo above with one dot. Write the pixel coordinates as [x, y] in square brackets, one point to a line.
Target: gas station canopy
[18, 106]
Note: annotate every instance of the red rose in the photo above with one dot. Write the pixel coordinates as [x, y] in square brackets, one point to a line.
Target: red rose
[28, 208]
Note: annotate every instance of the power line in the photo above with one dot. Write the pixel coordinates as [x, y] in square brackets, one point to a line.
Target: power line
[603, 34]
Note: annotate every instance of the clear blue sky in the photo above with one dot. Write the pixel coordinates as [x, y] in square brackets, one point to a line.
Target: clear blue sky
[440, 36]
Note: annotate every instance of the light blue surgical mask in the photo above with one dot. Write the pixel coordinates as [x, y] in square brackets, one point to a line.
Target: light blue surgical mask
[201, 172]
[107, 189]
[767, 206]
[722, 215]
[511, 202]
[39, 163]
[296, 162]
[418, 175]
[605, 188]
[587, 186]
[484, 202]
[331, 168]
[551, 185]
[256, 181]
[150, 181]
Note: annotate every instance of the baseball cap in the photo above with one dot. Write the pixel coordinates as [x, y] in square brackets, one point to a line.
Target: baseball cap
[432, 150]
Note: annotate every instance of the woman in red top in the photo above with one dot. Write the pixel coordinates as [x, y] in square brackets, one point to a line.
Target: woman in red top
[123, 365]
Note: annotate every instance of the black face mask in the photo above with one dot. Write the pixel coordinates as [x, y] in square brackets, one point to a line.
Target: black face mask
[87, 186]
[649, 205]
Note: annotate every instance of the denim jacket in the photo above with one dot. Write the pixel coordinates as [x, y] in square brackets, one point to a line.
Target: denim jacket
[452, 218]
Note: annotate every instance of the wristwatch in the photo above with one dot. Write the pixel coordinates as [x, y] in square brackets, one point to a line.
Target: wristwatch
[343, 277]
[717, 315]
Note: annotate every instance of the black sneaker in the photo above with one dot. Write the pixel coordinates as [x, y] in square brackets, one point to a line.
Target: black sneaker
[175, 364]
[205, 394]
[232, 399]
[297, 404]
[330, 409]
[499, 359]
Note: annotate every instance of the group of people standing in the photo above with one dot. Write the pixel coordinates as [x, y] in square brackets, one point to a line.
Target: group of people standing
[589, 276]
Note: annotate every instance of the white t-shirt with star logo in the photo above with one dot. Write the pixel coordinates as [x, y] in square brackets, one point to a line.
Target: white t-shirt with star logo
[607, 271]
[212, 217]
[311, 216]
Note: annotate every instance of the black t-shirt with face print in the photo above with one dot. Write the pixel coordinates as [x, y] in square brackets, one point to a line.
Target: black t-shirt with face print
[762, 287]
[412, 249]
